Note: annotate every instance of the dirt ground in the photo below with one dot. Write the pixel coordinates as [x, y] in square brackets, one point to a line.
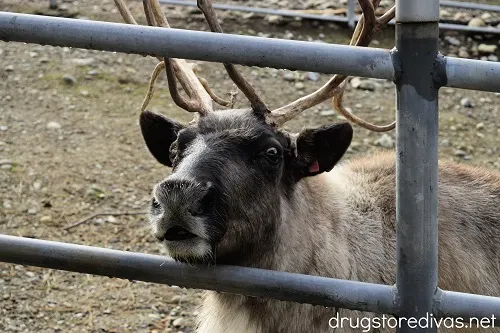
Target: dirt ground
[70, 146]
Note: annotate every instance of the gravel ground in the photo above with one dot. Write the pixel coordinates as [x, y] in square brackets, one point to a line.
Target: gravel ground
[70, 147]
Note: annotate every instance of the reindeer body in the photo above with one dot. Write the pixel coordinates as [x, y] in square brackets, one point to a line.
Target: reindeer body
[341, 224]
[244, 192]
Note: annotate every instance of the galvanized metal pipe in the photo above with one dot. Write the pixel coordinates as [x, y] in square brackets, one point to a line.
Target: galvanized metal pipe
[452, 304]
[417, 41]
[351, 14]
[197, 45]
[472, 74]
[470, 5]
[244, 50]
[237, 280]
[328, 18]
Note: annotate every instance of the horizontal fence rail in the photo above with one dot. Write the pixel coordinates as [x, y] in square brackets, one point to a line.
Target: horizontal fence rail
[470, 5]
[228, 48]
[473, 74]
[197, 45]
[232, 279]
[238, 280]
[350, 18]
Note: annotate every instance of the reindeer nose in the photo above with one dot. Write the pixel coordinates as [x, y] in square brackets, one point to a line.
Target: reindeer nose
[196, 196]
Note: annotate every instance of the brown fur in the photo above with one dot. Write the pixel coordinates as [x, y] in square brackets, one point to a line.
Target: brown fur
[342, 224]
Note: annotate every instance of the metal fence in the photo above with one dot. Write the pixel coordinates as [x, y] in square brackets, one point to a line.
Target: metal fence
[350, 18]
[418, 70]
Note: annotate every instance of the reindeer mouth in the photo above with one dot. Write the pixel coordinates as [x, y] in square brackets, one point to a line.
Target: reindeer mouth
[178, 233]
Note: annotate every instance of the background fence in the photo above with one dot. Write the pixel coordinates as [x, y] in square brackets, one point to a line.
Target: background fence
[418, 71]
[350, 18]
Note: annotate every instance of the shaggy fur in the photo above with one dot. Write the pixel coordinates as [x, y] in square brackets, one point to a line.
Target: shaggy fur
[342, 224]
[337, 224]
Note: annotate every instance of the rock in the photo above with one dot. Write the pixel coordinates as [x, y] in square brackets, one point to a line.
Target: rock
[444, 13]
[385, 141]
[93, 72]
[43, 60]
[364, 84]
[95, 191]
[9, 68]
[368, 85]
[5, 164]
[274, 19]
[452, 41]
[6, 204]
[312, 76]
[327, 113]
[32, 211]
[289, 76]
[111, 219]
[459, 153]
[3, 128]
[355, 82]
[83, 61]
[68, 79]
[486, 16]
[37, 185]
[463, 53]
[485, 48]
[179, 298]
[480, 126]
[461, 17]
[179, 322]
[466, 103]
[299, 85]
[46, 219]
[445, 142]
[477, 22]
[492, 57]
[84, 93]
[53, 125]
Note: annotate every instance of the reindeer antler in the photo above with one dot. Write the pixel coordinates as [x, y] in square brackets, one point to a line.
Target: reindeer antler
[362, 36]
[257, 103]
[199, 94]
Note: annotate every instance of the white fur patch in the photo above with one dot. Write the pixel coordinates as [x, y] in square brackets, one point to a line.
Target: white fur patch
[221, 317]
[195, 248]
[193, 152]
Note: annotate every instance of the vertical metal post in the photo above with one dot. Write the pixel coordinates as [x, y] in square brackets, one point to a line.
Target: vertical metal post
[417, 34]
[351, 14]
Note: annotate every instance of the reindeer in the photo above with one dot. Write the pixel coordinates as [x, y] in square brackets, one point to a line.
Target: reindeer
[245, 192]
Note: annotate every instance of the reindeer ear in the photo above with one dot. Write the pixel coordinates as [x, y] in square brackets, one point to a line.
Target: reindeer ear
[319, 149]
[159, 132]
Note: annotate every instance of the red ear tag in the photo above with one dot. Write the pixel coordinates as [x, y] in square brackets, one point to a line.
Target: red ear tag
[314, 167]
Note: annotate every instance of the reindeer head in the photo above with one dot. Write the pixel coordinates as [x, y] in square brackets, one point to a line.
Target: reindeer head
[232, 170]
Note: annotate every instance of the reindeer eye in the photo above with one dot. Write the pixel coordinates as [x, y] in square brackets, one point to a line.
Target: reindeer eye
[155, 205]
[272, 155]
[272, 151]
[172, 152]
